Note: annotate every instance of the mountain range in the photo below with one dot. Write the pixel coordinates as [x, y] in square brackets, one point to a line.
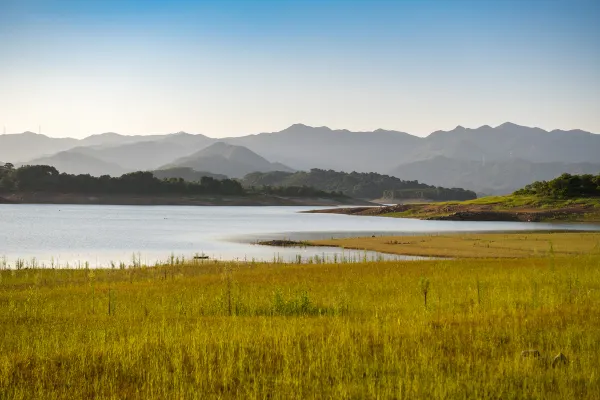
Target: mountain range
[486, 159]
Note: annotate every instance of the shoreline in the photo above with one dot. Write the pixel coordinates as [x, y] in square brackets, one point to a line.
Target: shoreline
[201, 200]
[501, 245]
[472, 212]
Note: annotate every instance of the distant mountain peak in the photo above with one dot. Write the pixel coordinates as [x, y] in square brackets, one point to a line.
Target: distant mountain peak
[105, 134]
[509, 125]
[305, 127]
[227, 159]
[298, 126]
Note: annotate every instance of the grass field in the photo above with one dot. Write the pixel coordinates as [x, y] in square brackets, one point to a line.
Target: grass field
[549, 209]
[512, 201]
[480, 245]
[417, 329]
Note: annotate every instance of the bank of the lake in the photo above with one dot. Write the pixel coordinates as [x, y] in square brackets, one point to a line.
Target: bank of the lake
[180, 200]
[476, 245]
[510, 208]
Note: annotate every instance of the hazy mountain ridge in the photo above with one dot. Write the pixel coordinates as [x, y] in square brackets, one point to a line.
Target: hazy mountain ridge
[488, 177]
[27, 146]
[18, 147]
[302, 147]
[119, 153]
[305, 147]
[78, 164]
[509, 140]
[139, 156]
[223, 158]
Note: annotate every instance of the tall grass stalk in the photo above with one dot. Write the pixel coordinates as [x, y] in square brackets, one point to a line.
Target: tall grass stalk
[295, 331]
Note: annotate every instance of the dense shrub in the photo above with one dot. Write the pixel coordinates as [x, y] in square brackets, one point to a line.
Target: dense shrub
[565, 186]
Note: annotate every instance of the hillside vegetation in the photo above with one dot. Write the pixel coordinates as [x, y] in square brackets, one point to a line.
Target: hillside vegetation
[43, 178]
[45, 184]
[566, 198]
[355, 184]
[565, 186]
[187, 174]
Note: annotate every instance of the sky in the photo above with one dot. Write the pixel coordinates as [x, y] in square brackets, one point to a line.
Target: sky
[231, 68]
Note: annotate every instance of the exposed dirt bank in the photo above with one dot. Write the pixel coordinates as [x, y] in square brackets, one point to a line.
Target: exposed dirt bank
[284, 243]
[475, 212]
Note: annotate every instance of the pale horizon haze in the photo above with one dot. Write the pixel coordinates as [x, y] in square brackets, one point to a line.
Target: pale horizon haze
[232, 68]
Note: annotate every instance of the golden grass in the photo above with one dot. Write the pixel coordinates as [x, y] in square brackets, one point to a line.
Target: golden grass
[286, 331]
[551, 209]
[481, 245]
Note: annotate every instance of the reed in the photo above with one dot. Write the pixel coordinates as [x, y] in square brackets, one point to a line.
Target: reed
[323, 330]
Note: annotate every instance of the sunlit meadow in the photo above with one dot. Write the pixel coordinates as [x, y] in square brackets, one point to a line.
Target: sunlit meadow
[414, 329]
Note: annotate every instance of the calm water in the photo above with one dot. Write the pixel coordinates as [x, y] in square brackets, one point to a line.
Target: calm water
[100, 234]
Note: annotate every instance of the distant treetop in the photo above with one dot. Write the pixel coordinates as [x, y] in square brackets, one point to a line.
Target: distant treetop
[565, 186]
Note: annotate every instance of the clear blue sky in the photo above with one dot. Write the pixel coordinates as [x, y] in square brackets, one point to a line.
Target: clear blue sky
[79, 67]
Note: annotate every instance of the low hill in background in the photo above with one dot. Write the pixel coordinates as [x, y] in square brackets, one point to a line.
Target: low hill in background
[226, 159]
[76, 163]
[358, 185]
[27, 146]
[147, 155]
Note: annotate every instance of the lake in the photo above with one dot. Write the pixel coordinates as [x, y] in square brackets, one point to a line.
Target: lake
[98, 234]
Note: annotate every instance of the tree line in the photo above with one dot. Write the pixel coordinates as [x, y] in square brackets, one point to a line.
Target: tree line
[355, 184]
[296, 191]
[565, 186]
[44, 178]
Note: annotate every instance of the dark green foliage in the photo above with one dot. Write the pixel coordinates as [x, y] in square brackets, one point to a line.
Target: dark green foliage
[7, 181]
[187, 174]
[296, 191]
[295, 306]
[355, 184]
[44, 178]
[565, 186]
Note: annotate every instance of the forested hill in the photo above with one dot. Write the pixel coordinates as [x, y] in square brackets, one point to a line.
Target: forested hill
[357, 185]
[44, 178]
[47, 179]
[565, 186]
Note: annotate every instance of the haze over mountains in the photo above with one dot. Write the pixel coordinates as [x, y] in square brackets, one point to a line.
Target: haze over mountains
[227, 159]
[486, 159]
